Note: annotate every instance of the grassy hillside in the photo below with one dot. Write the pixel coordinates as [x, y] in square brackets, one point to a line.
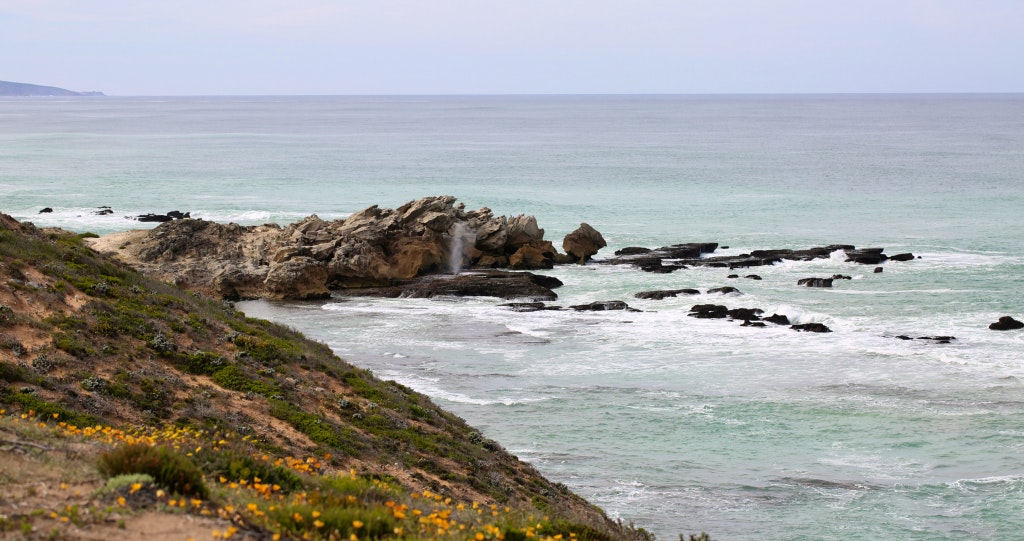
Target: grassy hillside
[128, 404]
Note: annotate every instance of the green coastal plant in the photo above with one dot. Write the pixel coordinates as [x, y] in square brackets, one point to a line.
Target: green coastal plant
[167, 467]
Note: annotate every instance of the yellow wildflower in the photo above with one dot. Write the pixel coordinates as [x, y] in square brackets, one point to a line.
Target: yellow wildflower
[357, 524]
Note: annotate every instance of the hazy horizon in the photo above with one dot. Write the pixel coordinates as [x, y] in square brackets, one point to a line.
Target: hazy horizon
[501, 47]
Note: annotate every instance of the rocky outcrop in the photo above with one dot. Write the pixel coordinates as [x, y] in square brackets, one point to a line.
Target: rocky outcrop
[583, 243]
[372, 248]
[814, 282]
[1006, 323]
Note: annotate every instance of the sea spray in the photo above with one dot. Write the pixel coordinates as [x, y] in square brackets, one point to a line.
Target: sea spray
[460, 237]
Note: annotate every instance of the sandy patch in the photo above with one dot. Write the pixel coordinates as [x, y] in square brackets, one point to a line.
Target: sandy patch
[116, 244]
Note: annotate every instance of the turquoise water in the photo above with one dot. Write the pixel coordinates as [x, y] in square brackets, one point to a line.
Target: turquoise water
[675, 423]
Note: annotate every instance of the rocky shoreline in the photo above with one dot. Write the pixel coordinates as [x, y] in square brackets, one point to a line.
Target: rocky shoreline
[378, 251]
[434, 247]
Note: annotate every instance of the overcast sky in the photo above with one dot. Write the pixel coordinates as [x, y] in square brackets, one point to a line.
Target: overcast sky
[207, 47]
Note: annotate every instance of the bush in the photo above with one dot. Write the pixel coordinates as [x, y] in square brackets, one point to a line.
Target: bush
[167, 467]
[6, 314]
[238, 466]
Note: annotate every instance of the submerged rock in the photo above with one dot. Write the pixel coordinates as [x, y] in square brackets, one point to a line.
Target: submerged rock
[600, 306]
[528, 306]
[661, 294]
[815, 282]
[811, 327]
[933, 339]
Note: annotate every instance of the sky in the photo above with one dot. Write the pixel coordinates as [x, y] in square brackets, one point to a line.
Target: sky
[307, 47]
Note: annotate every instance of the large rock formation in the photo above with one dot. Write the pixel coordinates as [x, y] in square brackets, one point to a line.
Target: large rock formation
[583, 243]
[372, 248]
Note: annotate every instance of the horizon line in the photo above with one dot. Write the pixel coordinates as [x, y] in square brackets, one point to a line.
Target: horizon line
[537, 94]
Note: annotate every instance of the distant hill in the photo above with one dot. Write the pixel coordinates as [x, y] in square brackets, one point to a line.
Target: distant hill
[8, 88]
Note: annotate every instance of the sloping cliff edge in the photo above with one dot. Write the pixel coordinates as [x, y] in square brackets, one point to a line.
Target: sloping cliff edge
[86, 341]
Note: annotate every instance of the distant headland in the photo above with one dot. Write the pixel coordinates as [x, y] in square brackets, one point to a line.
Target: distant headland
[8, 88]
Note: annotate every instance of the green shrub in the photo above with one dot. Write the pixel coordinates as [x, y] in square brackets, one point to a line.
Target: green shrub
[232, 377]
[204, 363]
[336, 518]
[30, 402]
[235, 465]
[167, 467]
[6, 314]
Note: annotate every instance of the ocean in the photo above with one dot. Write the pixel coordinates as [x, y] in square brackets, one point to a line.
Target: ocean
[674, 423]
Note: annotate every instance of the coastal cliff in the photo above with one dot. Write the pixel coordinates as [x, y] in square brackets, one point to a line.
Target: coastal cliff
[268, 434]
[8, 88]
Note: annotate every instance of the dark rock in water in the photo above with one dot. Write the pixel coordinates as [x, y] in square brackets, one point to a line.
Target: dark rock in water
[752, 277]
[688, 250]
[544, 280]
[866, 256]
[811, 327]
[777, 319]
[153, 218]
[724, 290]
[709, 311]
[902, 257]
[692, 254]
[878, 270]
[477, 283]
[45, 210]
[178, 215]
[661, 294]
[746, 314]
[600, 306]
[529, 306]
[633, 250]
[1006, 323]
[934, 339]
[651, 260]
[841, 277]
[938, 339]
[733, 276]
[749, 323]
[103, 211]
[815, 282]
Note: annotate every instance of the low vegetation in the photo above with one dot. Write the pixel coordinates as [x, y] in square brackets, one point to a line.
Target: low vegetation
[155, 403]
